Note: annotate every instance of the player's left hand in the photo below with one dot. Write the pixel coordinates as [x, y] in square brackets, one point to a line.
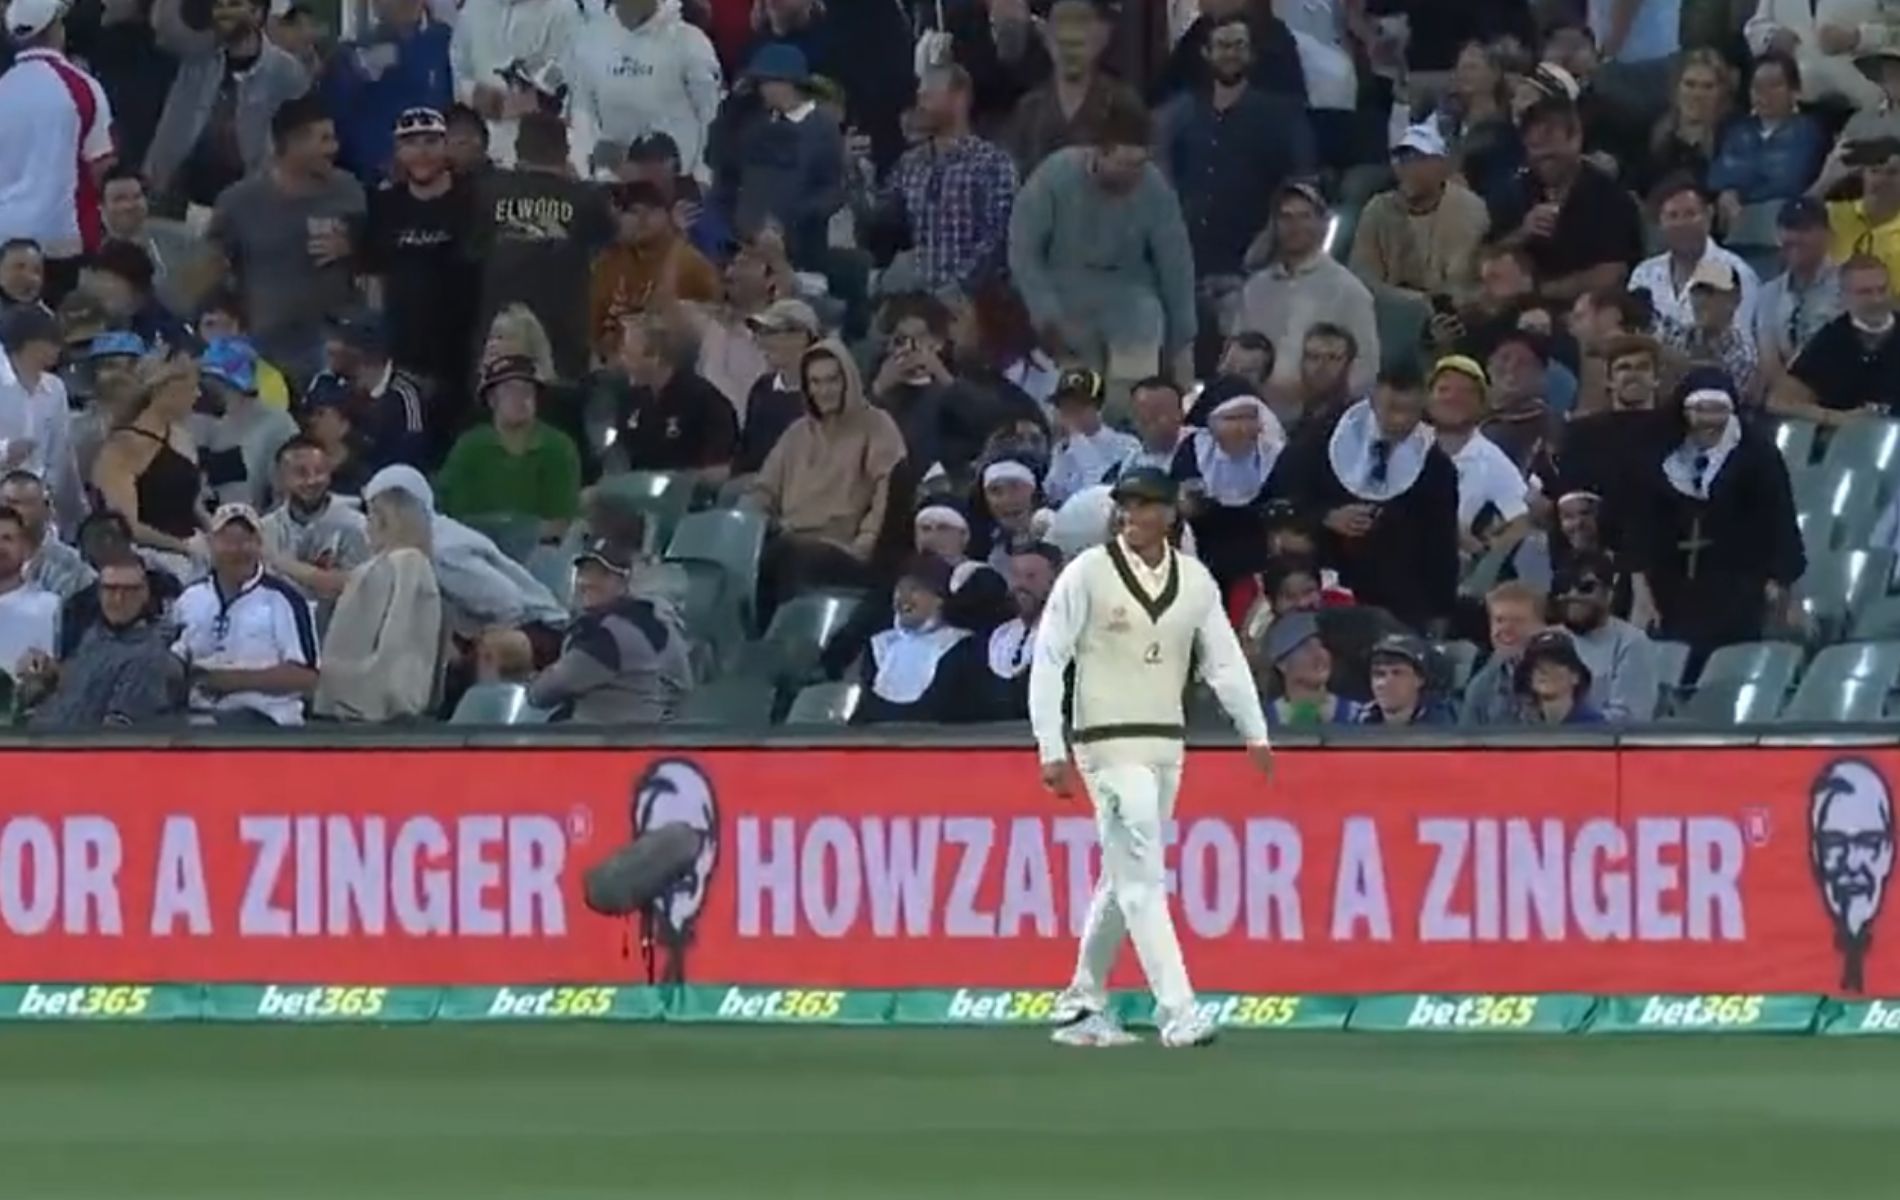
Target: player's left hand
[1261, 756]
[1057, 778]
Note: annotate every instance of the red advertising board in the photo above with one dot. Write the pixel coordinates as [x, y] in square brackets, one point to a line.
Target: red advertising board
[1755, 870]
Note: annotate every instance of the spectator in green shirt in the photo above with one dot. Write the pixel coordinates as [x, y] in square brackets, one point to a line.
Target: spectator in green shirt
[517, 465]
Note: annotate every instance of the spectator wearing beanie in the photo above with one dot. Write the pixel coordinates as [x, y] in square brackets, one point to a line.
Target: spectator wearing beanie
[368, 84]
[638, 67]
[1401, 692]
[785, 167]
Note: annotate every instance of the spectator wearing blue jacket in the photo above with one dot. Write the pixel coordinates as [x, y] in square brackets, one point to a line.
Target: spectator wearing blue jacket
[1774, 153]
[403, 63]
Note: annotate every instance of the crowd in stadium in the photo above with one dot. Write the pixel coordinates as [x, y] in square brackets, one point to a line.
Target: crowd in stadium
[1511, 361]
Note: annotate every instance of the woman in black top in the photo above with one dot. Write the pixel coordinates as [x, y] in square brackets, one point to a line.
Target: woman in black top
[147, 470]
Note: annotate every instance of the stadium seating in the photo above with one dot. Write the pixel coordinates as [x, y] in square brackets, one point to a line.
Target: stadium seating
[1458, 659]
[1870, 446]
[730, 703]
[1838, 587]
[797, 636]
[824, 704]
[1744, 684]
[1879, 621]
[662, 497]
[1795, 439]
[1847, 682]
[553, 568]
[719, 551]
[1836, 507]
[496, 704]
[1672, 658]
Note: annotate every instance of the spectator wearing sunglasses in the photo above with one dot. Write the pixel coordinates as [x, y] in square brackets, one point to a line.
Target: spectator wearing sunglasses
[1624, 677]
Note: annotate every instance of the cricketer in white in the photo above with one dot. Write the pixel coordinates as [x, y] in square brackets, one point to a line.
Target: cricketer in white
[1131, 616]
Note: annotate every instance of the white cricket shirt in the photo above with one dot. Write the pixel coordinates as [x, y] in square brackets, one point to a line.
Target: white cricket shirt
[40, 150]
[266, 623]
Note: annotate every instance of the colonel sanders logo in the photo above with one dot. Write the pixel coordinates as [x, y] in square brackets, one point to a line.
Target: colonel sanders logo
[1850, 842]
[675, 791]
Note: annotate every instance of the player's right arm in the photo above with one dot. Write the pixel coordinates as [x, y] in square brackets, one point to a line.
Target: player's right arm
[1063, 617]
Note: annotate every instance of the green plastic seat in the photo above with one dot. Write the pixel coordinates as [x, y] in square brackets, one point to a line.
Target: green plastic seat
[662, 497]
[1458, 658]
[1838, 587]
[824, 704]
[1744, 684]
[1483, 575]
[516, 534]
[1672, 658]
[710, 611]
[1795, 439]
[732, 540]
[1871, 446]
[553, 568]
[1844, 501]
[1879, 621]
[496, 704]
[800, 630]
[1848, 682]
[730, 703]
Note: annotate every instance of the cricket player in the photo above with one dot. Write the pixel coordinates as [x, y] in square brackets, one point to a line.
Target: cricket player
[1131, 615]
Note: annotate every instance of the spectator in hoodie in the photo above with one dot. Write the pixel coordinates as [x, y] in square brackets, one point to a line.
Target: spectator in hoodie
[649, 266]
[381, 657]
[946, 419]
[786, 167]
[370, 83]
[491, 36]
[237, 437]
[785, 330]
[1101, 255]
[1078, 95]
[826, 485]
[638, 67]
[624, 660]
[216, 124]
[1087, 452]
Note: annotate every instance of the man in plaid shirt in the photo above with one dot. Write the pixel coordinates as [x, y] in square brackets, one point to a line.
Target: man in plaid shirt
[954, 188]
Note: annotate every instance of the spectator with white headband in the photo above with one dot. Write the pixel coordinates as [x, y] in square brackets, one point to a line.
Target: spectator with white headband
[1087, 452]
[1714, 540]
[1227, 476]
[1301, 285]
[941, 529]
[1493, 496]
[1007, 508]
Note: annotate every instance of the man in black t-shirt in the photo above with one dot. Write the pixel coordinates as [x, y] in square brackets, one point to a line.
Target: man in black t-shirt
[536, 231]
[672, 419]
[1850, 368]
[417, 245]
[1580, 228]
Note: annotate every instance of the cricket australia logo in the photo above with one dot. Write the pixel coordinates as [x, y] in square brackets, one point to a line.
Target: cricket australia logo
[1850, 845]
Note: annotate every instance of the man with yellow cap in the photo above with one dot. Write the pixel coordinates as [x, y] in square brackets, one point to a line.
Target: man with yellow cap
[1493, 497]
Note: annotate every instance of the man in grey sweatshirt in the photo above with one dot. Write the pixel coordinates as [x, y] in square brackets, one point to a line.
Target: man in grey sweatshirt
[624, 660]
[1622, 660]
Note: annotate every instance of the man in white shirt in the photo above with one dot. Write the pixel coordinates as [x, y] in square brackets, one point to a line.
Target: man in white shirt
[494, 35]
[35, 423]
[29, 615]
[55, 144]
[1130, 616]
[1493, 507]
[640, 68]
[1684, 218]
[245, 636]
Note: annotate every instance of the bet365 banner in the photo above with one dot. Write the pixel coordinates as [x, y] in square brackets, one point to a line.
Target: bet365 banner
[1554, 872]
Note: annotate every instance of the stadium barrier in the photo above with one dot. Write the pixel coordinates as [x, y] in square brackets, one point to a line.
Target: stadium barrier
[1598, 885]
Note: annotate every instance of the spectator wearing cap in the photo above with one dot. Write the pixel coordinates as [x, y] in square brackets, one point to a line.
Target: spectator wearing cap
[1421, 238]
[467, 143]
[1078, 94]
[118, 670]
[482, 588]
[1400, 668]
[1493, 505]
[392, 418]
[624, 660]
[29, 614]
[785, 329]
[640, 67]
[1514, 614]
[237, 437]
[1227, 473]
[287, 234]
[1774, 153]
[35, 424]
[826, 485]
[1715, 546]
[1579, 227]
[1684, 216]
[785, 166]
[148, 470]
[516, 464]
[382, 649]
[952, 191]
[1554, 683]
[329, 421]
[1796, 304]
[50, 563]
[945, 419]
[649, 267]
[216, 125]
[1871, 224]
[655, 159]
[1227, 147]
[1087, 452]
[311, 538]
[1301, 285]
[246, 637]
[369, 83]
[121, 277]
[1302, 668]
[55, 143]
[1850, 368]
[1717, 331]
[1101, 256]
[1626, 679]
[493, 36]
[670, 418]
[920, 670]
[416, 246]
[1827, 61]
[22, 276]
[1011, 645]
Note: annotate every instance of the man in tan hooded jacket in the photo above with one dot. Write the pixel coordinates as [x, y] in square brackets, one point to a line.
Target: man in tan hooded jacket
[827, 482]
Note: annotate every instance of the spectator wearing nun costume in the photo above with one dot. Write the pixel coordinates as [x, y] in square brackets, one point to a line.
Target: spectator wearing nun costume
[1227, 475]
[1386, 499]
[1087, 452]
[1006, 512]
[979, 595]
[1032, 573]
[1714, 544]
[922, 669]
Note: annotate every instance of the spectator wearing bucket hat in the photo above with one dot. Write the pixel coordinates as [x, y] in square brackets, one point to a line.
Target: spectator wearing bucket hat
[517, 464]
[1302, 666]
[1422, 236]
[1401, 673]
[785, 167]
[1086, 451]
[1553, 682]
[237, 436]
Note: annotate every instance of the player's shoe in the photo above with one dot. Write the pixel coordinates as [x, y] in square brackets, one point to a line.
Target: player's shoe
[1189, 1029]
[1093, 1032]
[1071, 1009]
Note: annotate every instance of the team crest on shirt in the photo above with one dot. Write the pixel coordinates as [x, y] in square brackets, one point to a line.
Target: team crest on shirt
[1118, 619]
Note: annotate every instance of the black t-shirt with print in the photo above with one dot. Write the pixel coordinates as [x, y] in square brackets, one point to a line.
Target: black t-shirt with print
[1598, 222]
[536, 234]
[420, 249]
[685, 425]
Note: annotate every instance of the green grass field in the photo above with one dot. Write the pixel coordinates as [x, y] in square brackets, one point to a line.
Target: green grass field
[586, 1112]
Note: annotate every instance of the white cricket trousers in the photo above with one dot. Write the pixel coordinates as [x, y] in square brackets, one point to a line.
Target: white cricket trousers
[1132, 802]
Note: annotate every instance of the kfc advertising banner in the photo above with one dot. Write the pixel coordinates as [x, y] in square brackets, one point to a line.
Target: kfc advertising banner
[1638, 871]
